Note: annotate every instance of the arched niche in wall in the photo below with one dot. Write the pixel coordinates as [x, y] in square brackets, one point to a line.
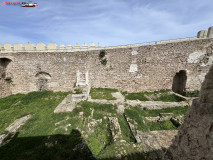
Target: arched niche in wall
[179, 82]
[42, 80]
[4, 62]
[5, 77]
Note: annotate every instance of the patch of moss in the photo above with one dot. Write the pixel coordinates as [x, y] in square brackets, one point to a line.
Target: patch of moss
[102, 93]
[126, 133]
[162, 95]
[163, 125]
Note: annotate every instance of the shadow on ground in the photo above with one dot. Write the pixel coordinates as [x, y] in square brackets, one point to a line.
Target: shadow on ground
[59, 147]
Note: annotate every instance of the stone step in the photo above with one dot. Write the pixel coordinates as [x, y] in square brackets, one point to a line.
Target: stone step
[78, 97]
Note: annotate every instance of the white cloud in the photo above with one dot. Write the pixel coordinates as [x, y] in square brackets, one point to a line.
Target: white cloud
[110, 22]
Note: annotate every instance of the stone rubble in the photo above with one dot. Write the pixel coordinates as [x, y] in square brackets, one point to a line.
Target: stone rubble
[12, 129]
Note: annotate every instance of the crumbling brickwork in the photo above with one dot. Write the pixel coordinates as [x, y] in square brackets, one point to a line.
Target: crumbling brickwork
[148, 67]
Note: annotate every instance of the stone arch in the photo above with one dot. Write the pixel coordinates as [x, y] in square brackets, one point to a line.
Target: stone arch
[179, 82]
[42, 80]
[5, 78]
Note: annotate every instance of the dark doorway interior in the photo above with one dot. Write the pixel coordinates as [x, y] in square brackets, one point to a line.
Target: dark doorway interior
[179, 82]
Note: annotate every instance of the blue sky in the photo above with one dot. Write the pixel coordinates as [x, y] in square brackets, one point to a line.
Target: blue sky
[110, 22]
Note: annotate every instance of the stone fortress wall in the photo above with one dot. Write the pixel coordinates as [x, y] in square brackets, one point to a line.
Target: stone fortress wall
[133, 69]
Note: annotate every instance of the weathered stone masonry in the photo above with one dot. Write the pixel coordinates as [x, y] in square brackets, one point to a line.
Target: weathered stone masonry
[148, 67]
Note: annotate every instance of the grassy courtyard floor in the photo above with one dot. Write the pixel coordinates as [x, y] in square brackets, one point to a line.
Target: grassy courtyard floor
[85, 133]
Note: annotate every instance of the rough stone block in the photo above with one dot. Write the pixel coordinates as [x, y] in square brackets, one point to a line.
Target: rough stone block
[194, 57]
[99, 45]
[134, 53]
[18, 47]
[29, 47]
[85, 47]
[133, 68]
[92, 46]
[52, 47]
[77, 47]
[62, 48]
[41, 47]
[8, 47]
[69, 48]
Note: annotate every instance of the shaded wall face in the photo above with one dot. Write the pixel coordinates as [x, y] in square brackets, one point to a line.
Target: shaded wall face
[5, 86]
[2, 68]
[144, 68]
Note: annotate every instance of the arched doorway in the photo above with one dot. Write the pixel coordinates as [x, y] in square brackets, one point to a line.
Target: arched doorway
[42, 80]
[3, 66]
[5, 80]
[179, 82]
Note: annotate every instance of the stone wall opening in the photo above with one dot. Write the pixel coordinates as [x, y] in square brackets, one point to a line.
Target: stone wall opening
[179, 82]
[42, 80]
[3, 65]
[5, 81]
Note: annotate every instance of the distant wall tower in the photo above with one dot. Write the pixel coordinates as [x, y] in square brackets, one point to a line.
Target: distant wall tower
[210, 32]
[202, 34]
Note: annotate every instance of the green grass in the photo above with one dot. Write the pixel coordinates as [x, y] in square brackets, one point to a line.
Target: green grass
[137, 114]
[100, 138]
[162, 95]
[39, 104]
[126, 133]
[78, 91]
[69, 132]
[102, 93]
[163, 125]
[192, 93]
[99, 108]
[70, 146]
[135, 96]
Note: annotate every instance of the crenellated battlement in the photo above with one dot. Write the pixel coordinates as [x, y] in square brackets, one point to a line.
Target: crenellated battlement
[51, 47]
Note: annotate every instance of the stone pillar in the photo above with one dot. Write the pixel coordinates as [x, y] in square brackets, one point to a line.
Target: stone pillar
[69, 48]
[99, 45]
[85, 47]
[92, 46]
[210, 32]
[77, 47]
[62, 48]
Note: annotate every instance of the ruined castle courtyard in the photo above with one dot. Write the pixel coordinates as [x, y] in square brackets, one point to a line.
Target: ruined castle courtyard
[124, 102]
